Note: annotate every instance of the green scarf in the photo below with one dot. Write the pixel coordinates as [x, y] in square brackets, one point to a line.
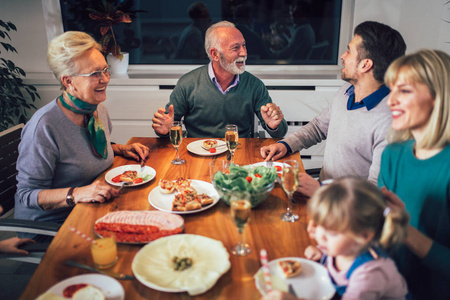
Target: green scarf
[94, 126]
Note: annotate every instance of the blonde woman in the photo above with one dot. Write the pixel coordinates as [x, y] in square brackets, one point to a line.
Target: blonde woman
[415, 168]
[66, 144]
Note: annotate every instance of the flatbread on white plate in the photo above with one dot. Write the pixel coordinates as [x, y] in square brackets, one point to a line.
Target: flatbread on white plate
[154, 268]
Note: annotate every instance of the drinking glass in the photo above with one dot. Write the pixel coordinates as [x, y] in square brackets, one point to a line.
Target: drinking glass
[217, 165]
[240, 207]
[176, 137]
[231, 137]
[104, 252]
[289, 182]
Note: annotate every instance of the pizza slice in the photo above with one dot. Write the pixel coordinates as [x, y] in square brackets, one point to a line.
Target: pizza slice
[290, 268]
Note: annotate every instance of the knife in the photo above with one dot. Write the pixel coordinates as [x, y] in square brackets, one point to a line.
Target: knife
[292, 291]
[109, 273]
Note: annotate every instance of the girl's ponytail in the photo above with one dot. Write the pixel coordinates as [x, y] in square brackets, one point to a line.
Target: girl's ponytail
[394, 227]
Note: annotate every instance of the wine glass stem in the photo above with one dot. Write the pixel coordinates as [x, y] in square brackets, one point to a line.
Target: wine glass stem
[289, 208]
[241, 236]
[177, 157]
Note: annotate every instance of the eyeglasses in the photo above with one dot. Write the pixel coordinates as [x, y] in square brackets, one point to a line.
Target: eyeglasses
[97, 74]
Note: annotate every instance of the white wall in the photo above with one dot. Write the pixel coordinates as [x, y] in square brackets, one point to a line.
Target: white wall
[419, 21]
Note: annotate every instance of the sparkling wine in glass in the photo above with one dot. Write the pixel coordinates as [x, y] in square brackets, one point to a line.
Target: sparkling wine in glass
[240, 207]
[289, 182]
[176, 137]
[231, 138]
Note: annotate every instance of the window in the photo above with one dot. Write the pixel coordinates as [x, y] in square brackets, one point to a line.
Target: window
[171, 32]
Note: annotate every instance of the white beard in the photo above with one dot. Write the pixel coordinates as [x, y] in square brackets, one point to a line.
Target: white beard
[231, 67]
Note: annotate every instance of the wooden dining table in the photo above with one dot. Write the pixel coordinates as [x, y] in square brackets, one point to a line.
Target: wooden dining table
[265, 229]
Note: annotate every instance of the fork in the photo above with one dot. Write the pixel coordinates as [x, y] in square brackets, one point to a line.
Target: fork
[269, 164]
[124, 184]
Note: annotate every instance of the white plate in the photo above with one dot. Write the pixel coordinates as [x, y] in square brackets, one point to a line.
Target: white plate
[119, 170]
[313, 281]
[196, 148]
[153, 266]
[163, 202]
[110, 287]
[274, 164]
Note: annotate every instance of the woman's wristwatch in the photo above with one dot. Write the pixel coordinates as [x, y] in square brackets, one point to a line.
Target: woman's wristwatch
[69, 198]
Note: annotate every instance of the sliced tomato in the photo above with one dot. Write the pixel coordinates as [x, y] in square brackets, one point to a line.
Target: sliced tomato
[72, 289]
[279, 175]
[249, 178]
[258, 175]
[117, 178]
[138, 180]
[278, 168]
[212, 150]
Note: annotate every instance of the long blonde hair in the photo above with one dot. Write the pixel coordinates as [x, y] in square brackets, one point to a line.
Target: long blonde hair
[432, 68]
[65, 48]
[357, 206]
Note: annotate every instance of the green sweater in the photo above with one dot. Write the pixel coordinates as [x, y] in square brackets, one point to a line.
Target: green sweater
[424, 187]
[207, 111]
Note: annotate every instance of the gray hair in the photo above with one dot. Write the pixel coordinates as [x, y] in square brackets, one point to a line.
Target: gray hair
[212, 36]
[64, 49]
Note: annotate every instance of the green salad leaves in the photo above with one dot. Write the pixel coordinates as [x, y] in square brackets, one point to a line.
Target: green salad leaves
[246, 178]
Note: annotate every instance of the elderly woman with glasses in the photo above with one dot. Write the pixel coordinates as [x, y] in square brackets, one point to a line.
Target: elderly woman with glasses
[66, 145]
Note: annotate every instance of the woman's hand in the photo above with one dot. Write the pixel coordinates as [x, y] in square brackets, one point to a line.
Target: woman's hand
[95, 192]
[12, 245]
[313, 253]
[137, 151]
[392, 199]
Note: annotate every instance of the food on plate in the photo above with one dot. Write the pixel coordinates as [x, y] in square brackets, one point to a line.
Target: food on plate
[181, 183]
[83, 291]
[185, 203]
[129, 176]
[153, 265]
[138, 226]
[88, 293]
[212, 150]
[204, 199]
[50, 296]
[188, 191]
[166, 186]
[290, 268]
[181, 264]
[208, 144]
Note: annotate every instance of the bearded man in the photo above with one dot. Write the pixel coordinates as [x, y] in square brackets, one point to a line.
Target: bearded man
[221, 93]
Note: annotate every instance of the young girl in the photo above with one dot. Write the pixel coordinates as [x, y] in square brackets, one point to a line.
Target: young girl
[351, 224]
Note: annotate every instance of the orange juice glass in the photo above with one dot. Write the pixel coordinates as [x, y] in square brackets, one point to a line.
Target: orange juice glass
[104, 252]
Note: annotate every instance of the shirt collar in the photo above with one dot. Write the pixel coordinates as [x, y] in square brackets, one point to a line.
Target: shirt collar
[212, 76]
[370, 101]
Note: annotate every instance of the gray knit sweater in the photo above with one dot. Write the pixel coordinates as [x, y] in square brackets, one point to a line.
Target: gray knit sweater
[355, 138]
[207, 111]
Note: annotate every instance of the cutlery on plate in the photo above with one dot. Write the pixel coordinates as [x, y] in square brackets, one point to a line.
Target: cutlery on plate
[219, 146]
[142, 165]
[109, 273]
[124, 184]
[291, 290]
[266, 270]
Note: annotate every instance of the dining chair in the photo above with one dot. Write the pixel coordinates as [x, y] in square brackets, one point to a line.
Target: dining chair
[9, 144]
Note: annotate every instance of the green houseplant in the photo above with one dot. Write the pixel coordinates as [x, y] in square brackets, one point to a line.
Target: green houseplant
[109, 17]
[15, 95]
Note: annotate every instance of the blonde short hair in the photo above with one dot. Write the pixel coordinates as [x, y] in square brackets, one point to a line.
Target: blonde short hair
[432, 68]
[356, 206]
[212, 36]
[64, 49]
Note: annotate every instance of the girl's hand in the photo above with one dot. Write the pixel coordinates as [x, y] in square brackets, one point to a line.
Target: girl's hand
[313, 253]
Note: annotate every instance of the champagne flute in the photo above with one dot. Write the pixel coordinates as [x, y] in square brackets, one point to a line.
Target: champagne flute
[289, 182]
[176, 137]
[240, 206]
[231, 137]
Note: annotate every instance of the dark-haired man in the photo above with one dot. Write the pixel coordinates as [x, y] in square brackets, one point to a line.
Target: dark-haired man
[356, 122]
